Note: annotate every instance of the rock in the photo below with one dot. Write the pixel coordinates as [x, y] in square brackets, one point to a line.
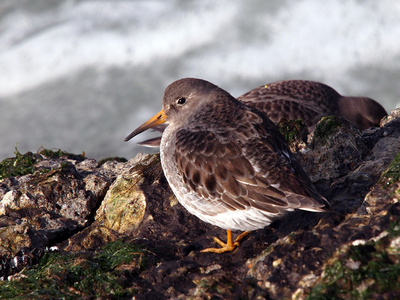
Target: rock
[58, 198]
[395, 114]
[329, 243]
[114, 229]
[337, 147]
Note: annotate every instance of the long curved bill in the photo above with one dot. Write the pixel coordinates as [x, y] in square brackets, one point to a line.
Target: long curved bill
[154, 121]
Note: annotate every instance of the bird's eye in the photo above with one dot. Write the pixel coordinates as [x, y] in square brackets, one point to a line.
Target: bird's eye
[181, 101]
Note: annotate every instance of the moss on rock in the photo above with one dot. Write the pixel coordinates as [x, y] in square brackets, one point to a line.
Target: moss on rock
[21, 164]
[326, 128]
[392, 174]
[24, 164]
[295, 133]
[104, 273]
[364, 271]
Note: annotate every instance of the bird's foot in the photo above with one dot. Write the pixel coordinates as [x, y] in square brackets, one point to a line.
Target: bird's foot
[229, 245]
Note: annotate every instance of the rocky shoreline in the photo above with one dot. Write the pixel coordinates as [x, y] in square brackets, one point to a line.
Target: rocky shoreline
[74, 227]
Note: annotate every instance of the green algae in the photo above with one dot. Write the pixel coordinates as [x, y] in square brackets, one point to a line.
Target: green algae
[52, 154]
[60, 154]
[367, 271]
[21, 164]
[104, 274]
[326, 127]
[392, 173]
[24, 164]
[117, 253]
[293, 130]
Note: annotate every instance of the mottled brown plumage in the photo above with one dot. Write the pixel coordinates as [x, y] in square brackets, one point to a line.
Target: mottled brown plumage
[310, 101]
[226, 162]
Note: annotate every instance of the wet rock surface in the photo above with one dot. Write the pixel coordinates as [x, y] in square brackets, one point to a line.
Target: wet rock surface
[74, 227]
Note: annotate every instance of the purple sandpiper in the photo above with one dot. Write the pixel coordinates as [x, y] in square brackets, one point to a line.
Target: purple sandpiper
[226, 162]
[310, 101]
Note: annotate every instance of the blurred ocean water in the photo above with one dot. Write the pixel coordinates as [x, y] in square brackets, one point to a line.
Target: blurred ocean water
[81, 75]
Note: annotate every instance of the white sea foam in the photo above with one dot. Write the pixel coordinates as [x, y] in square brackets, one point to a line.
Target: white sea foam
[325, 39]
[100, 34]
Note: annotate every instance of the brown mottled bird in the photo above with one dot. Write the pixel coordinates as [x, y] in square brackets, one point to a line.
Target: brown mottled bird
[226, 162]
[308, 101]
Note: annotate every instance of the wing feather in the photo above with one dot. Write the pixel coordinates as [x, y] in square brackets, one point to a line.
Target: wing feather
[249, 166]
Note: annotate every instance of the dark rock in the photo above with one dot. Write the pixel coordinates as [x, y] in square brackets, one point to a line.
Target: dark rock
[56, 200]
[118, 225]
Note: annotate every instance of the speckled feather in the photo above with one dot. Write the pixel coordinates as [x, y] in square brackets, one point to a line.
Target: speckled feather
[227, 163]
[310, 101]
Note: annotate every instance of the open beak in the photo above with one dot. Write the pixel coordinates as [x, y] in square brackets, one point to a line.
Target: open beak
[154, 121]
[151, 143]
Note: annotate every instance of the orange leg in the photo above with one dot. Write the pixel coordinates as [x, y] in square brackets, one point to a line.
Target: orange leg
[230, 245]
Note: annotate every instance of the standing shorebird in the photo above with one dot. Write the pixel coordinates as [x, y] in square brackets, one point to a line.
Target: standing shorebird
[226, 162]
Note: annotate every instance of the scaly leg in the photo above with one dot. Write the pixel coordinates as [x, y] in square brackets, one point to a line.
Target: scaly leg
[230, 245]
